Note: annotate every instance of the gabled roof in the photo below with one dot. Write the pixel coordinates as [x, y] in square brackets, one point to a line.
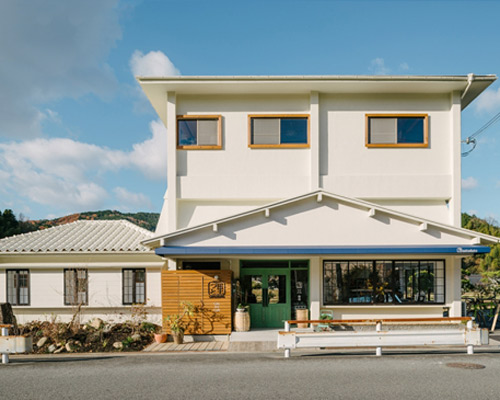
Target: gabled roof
[371, 209]
[80, 237]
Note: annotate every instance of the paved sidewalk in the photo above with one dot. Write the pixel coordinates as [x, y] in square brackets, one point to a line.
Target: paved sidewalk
[192, 346]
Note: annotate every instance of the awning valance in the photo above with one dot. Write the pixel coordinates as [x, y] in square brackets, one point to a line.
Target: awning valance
[463, 250]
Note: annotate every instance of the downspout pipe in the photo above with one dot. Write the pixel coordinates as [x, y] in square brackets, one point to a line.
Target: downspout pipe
[470, 78]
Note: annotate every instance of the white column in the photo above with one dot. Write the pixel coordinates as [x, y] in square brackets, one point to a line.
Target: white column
[171, 264]
[314, 140]
[315, 286]
[456, 160]
[171, 162]
[454, 286]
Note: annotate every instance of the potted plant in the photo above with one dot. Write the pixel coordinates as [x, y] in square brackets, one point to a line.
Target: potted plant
[160, 336]
[241, 308]
[177, 324]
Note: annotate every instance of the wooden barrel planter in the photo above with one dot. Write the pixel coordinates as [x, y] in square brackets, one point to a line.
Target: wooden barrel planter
[242, 321]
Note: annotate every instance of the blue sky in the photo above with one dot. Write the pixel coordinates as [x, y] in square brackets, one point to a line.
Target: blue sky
[77, 134]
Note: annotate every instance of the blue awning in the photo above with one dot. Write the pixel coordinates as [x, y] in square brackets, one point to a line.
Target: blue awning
[463, 250]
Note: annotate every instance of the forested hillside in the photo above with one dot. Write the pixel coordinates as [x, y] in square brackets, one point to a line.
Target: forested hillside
[488, 264]
[10, 225]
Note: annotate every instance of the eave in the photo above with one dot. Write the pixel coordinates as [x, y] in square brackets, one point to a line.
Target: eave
[156, 87]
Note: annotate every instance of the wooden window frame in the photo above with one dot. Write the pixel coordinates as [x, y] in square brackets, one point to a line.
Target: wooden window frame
[134, 282]
[217, 118]
[425, 144]
[17, 271]
[279, 146]
[74, 301]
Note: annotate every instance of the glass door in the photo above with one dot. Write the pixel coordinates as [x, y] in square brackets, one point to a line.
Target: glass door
[267, 292]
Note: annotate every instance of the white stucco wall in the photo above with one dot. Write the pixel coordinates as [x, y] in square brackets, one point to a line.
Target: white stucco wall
[418, 181]
[104, 286]
[329, 223]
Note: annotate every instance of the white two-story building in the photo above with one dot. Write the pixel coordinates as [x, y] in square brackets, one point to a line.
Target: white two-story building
[319, 192]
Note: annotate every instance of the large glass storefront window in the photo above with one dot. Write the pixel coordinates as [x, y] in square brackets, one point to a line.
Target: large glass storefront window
[380, 282]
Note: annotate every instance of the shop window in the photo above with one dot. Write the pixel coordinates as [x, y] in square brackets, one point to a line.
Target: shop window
[383, 282]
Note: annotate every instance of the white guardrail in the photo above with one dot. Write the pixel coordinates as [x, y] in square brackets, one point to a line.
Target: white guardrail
[13, 344]
[459, 331]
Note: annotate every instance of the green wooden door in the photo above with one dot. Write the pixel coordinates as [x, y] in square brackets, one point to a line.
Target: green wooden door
[267, 292]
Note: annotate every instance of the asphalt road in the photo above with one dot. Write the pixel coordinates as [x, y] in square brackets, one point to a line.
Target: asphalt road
[251, 376]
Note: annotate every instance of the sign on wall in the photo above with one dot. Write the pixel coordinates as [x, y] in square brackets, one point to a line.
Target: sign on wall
[208, 291]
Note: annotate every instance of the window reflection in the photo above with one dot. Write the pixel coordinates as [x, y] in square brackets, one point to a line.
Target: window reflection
[397, 282]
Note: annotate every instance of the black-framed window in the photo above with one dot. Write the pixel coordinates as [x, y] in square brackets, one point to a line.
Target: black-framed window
[76, 287]
[134, 286]
[353, 282]
[18, 287]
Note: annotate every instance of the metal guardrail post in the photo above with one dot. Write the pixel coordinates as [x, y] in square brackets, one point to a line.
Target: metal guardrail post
[470, 348]
[287, 329]
[5, 357]
[378, 328]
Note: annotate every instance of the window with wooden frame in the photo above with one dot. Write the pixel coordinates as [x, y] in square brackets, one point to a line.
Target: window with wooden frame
[269, 131]
[134, 286]
[397, 130]
[76, 287]
[199, 132]
[18, 287]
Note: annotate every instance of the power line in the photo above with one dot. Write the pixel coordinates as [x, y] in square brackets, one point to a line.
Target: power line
[492, 121]
[472, 138]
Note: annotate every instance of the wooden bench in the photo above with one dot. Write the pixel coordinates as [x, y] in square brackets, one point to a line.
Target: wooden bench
[408, 332]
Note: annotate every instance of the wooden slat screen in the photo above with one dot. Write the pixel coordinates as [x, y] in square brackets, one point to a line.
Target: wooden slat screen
[214, 316]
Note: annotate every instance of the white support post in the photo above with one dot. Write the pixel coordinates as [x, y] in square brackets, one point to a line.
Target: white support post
[378, 328]
[5, 357]
[470, 348]
[314, 141]
[287, 329]
[171, 162]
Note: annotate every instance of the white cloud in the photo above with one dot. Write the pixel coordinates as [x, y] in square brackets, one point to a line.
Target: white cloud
[70, 174]
[378, 67]
[150, 156]
[489, 101]
[155, 63]
[52, 50]
[131, 201]
[469, 183]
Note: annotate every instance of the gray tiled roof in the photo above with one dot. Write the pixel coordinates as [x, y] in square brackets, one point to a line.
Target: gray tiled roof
[80, 236]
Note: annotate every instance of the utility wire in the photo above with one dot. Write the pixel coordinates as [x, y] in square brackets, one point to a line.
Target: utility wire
[472, 138]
